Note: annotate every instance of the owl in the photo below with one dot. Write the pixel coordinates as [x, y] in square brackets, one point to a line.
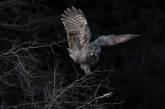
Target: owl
[81, 50]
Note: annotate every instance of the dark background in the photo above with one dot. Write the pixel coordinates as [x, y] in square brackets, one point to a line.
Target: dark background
[138, 65]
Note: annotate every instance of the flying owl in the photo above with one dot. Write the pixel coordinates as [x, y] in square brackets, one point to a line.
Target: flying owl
[81, 50]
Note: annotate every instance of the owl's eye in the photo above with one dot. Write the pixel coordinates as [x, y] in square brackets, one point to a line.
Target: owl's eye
[97, 51]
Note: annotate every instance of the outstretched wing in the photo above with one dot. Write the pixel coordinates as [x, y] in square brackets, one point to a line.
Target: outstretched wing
[111, 40]
[76, 27]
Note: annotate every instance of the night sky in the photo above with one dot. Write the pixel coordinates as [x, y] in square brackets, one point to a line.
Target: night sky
[138, 65]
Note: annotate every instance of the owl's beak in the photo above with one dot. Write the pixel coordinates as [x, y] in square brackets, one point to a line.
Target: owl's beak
[91, 54]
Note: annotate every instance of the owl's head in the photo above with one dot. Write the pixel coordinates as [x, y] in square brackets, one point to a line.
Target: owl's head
[93, 52]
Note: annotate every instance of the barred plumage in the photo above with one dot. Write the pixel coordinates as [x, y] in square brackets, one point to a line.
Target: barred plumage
[81, 50]
[76, 27]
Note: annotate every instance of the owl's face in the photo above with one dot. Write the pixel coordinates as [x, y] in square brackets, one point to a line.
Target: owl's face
[93, 52]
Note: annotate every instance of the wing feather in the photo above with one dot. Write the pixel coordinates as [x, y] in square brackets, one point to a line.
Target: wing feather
[76, 27]
[111, 40]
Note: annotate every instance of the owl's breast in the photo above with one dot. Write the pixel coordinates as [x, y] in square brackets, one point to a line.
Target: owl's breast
[88, 59]
[93, 59]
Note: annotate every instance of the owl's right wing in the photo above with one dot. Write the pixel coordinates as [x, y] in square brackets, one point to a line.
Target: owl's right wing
[111, 40]
[77, 29]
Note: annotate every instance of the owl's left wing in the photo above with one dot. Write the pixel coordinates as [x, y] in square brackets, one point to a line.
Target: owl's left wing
[77, 29]
[111, 40]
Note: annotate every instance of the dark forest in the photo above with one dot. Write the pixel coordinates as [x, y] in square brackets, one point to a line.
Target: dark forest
[36, 71]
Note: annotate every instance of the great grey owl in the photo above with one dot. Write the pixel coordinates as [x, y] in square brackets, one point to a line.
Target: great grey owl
[81, 50]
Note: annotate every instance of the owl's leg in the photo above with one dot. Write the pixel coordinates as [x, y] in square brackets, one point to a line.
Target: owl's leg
[86, 68]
